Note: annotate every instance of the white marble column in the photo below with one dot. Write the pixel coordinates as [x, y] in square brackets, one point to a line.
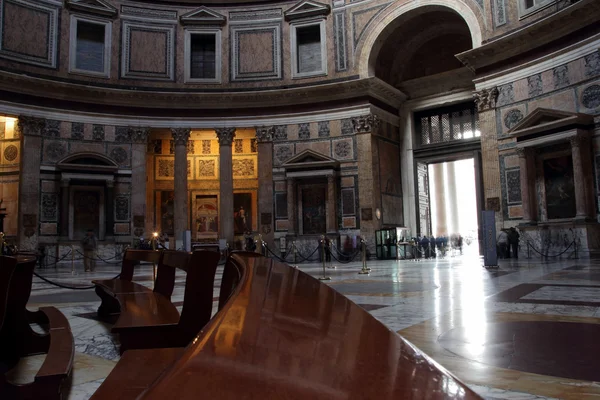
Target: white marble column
[331, 205]
[291, 206]
[452, 198]
[180, 203]
[440, 200]
[225, 136]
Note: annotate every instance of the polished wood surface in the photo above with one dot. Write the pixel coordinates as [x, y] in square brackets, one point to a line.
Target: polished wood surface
[285, 335]
[145, 309]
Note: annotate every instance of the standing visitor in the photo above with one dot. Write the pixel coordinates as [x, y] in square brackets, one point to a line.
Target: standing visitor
[89, 251]
[513, 241]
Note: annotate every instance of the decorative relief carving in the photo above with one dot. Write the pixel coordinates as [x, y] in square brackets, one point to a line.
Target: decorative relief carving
[513, 186]
[339, 29]
[55, 151]
[225, 136]
[592, 64]
[122, 208]
[500, 14]
[304, 131]
[239, 146]
[77, 130]
[30, 125]
[283, 153]
[512, 118]
[98, 132]
[11, 152]
[190, 147]
[255, 15]
[180, 135]
[506, 94]
[253, 146]
[486, 99]
[590, 97]
[206, 168]
[166, 168]
[206, 146]
[119, 154]
[280, 132]
[52, 128]
[49, 207]
[155, 146]
[122, 134]
[139, 135]
[347, 126]
[534, 85]
[323, 128]
[342, 149]
[265, 133]
[365, 123]
[149, 13]
[243, 167]
[561, 76]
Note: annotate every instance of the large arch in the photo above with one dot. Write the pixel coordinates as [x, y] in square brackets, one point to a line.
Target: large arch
[368, 50]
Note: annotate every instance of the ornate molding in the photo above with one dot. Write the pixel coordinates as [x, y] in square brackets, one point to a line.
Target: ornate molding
[225, 136]
[98, 7]
[180, 136]
[485, 99]
[140, 135]
[265, 134]
[365, 123]
[31, 125]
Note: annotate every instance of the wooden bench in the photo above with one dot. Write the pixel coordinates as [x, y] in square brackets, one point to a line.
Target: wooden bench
[148, 319]
[18, 340]
[138, 369]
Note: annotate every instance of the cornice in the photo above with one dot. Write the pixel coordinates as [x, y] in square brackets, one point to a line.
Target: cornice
[540, 33]
[180, 100]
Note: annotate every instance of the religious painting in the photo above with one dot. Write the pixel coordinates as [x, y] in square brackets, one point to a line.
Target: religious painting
[207, 217]
[86, 213]
[560, 187]
[242, 213]
[167, 212]
[314, 203]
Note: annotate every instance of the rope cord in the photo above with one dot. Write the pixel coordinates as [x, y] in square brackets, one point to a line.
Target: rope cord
[551, 255]
[309, 256]
[69, 287]
[341, 254]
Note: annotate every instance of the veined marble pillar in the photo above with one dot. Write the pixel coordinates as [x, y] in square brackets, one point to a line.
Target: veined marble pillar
[64, 208]
[225, 136]
[525, 171]
[581, 206]
[331, 205]
[440, 200]
[110, 208]
[291, 206]
[139, 144]
[180, 202]
[29, 183]
[264, 138]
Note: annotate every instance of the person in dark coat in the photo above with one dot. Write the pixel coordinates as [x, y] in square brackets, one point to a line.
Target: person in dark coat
[513, 242]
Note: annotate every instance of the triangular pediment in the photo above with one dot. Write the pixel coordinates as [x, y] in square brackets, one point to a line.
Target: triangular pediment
[306, 8]
[203, 16]
[310, 159]
[546, 119]
[99, 7]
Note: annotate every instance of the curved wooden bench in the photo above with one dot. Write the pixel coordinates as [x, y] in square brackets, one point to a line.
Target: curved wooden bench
[150, 320]
[283, 334]
[18, 340]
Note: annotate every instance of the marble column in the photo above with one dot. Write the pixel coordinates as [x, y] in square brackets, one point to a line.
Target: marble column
[440, 200]
[291, 206]
[64, 208]
[578, 177]
[139, 144]
[29, 183]
[525, 170]
[110, 208]
[264, 138]
[180, 202]
[331, 205]
[225, 136]
[452, 198]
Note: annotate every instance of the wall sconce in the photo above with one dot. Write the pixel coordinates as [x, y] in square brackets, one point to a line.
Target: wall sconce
[378, 213]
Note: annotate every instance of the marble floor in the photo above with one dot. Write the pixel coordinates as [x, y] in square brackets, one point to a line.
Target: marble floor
[528, 330]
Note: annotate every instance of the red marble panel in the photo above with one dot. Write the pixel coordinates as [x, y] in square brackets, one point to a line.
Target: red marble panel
[256, 52]
[148, 51]
[25, 30]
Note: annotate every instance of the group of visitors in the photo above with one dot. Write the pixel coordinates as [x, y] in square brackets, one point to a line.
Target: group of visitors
[507, 243]
[430, 245]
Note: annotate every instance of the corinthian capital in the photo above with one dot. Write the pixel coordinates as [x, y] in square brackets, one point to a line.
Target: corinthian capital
[180, 135]
[264, 134]
[140, 135]
[225, 136]
[365, 123]
[31, 125]
[485, 99]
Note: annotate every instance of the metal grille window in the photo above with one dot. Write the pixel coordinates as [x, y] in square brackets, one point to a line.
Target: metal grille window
[203, 60]
[447, 124]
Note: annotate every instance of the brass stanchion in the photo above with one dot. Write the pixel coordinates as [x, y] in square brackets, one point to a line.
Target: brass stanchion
[73, 260]
[154, 238]
[330, 249]
[324, 277]
[365, 269]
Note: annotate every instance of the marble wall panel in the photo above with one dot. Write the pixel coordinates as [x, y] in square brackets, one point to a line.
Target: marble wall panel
[321, 147]
[391, 210]
[29, 32]
[54, 150]
[49, 186]
[564, 101]
[9, 193]
[515, 212]
[513, 186]
[389, 168]
[48, 229]
[347, 181]
[349, 222]
[207, 168]
[76, 147]
[282, 225]
[122, 229]
[10, 152]
[282, 153]
[339, 37]
[280, 186]
[244, 167]
[256, 52]
[148, 51]
[511, 161]
[362, 18]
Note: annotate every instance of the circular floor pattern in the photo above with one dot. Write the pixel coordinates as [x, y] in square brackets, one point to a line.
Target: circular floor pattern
[562, 349]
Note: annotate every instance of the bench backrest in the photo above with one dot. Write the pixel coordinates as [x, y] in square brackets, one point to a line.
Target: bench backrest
[165, 274]
[132, 257]
[232, 275]
[198, 297]
[7, 268]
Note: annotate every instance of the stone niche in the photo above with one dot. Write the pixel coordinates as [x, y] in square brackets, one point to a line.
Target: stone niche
[557, 186]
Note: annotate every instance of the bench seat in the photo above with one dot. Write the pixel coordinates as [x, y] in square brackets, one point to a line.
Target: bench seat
[118, 286]
[145, 309]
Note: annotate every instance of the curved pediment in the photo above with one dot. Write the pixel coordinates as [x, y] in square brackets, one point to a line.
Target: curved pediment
[87, 161]
[310, 159]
